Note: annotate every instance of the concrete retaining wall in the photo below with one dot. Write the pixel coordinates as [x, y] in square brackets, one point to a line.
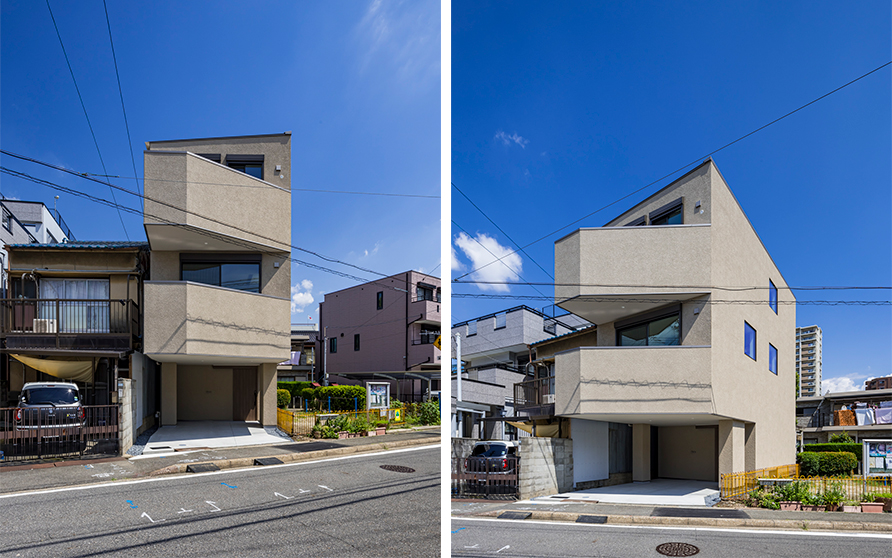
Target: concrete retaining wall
[546, 466]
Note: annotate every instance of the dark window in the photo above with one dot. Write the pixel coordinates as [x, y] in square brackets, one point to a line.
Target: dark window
[772, 296]
[248, 164]
[6, 219]
[381, 300]
[429, 335]
[356, 342]
[772, 359]
[660, 331]
[749, 341]
[639, 222]
[215, 157]
[233, 271]
[333, 345]
[424, 292]
[669, 214]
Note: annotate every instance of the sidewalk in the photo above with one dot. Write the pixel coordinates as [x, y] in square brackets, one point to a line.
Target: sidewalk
[20, 478]
[700, 516]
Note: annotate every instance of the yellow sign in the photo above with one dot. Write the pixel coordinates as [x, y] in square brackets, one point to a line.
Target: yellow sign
[396, 415]
[437, 342]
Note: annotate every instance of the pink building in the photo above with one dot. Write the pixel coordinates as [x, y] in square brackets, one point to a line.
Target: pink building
[383, 330]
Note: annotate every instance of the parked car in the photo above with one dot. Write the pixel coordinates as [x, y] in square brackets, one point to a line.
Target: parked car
[493, 465]
[54, 409]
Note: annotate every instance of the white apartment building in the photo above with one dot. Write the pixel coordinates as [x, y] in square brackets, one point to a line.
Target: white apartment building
[808, 360]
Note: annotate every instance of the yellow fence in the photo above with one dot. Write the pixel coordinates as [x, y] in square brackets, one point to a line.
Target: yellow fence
[739, 484]
[300, 423]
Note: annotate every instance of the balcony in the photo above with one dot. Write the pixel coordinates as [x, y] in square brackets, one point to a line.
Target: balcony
[195, 323]
[423, 356]
[69, 324]
[535, 397]
[424, 312]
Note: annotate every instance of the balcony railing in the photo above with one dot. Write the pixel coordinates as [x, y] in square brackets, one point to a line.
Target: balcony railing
[535, 394]
[69, 323]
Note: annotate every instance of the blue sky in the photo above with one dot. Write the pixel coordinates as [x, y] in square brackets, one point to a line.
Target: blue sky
[559, 109]
[357, 83]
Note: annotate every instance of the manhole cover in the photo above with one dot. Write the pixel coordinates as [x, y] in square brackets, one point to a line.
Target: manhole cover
[677, 549]
[398, 468]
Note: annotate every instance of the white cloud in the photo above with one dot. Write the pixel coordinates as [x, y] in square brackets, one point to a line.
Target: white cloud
[842, 383]
[506, 139]
[300, 299]
[402, 38]
[484, 250]
[374, 251]
[456, 264]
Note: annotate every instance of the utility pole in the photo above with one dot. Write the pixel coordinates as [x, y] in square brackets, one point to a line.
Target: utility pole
[324, 356]
[458, 421]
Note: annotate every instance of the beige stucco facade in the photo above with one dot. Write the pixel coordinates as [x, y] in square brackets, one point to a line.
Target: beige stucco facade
[722, 409]
[218, 344]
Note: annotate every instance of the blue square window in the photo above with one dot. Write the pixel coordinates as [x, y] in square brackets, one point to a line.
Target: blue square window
[772, 296]
[749, 341]
[772, 359]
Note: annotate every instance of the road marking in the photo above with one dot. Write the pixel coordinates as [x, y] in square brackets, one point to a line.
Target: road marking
[475, 546]
[184, 510]
[214, 504]
[132, 505]
[325, 487]
[459, 529]
[144, 514]
[503, 548]
[230, 486]
[283, 496]
[302, 491]
[224, 472]
[681, 528]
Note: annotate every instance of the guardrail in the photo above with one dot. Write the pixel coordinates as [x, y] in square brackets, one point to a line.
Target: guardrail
[33, 434]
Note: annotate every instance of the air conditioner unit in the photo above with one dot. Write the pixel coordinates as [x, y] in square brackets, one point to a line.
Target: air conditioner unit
[548, 398]
[44, 326]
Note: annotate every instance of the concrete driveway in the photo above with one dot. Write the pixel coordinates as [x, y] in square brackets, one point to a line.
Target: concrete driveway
[658, 492]
[203, 434]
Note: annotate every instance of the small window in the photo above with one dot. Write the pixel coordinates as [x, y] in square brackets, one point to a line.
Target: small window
[749, 341]
[380, 302]
[248, 164]
[215, 157]
[424, 292]
[472, 328]
[501, 319]
[669, 214]
[772, 359]
[662, 331]
[333, 345]
[356, 342]
[6, 219]
[639, 222]
[772, 296]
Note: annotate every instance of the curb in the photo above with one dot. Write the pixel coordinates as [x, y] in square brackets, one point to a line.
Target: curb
[819, 525]
[248, 462]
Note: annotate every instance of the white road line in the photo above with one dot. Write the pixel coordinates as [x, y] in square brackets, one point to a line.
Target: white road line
[226, 472]
[682, 528]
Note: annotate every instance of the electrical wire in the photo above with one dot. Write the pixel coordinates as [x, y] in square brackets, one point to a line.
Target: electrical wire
[83, 106]
[633, 299]
[696, 161]
[728, 288]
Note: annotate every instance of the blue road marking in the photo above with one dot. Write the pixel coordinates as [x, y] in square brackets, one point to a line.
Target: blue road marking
[132, 505]
[224, 484]
[457, 530]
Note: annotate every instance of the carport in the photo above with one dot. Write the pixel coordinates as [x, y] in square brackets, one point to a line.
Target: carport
[189, 435]
[658, 492]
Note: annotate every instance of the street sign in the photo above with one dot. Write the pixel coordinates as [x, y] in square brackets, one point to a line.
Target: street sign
[437, 342]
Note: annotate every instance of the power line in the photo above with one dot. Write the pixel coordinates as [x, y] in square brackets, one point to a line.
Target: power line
[121, 92]
[83, 106]
[711, 153]
[727, 288]
[634, 299]
[500, 230]
[144, 197]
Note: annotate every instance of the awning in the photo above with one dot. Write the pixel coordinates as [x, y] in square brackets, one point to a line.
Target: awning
[76, 370]
[542, 430]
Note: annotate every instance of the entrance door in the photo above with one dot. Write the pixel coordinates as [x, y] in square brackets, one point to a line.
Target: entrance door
[244, 394]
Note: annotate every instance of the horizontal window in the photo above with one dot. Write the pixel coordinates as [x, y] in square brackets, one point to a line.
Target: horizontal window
[248, 164]
[661, 331]
[242, 276]
[669, 214]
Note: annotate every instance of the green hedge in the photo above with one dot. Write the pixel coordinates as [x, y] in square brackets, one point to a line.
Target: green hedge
[851, 448]
[826, 464]
[294, 387]
[283, 398]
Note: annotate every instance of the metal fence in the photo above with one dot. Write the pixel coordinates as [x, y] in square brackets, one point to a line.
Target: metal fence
[740, 484]
[29, 434]
[486, 478]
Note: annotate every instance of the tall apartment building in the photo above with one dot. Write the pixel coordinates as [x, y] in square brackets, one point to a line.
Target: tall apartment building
[704, 375]
[808, 360]
[383, 330]
[217, 307]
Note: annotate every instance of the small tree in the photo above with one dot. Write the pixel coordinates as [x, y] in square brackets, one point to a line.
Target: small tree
[841, 438]
[283, 397]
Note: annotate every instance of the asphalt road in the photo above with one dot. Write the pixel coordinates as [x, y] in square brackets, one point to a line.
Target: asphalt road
[507, 539]
[336, 507]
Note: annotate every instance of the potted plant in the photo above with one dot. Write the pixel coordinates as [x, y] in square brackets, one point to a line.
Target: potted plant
[871, 507]
[851, 506]
[833, 496]
[812, 502]
[791, 495]
[381, 427]
[885, 498]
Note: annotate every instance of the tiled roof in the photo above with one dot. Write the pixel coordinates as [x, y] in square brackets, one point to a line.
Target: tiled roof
[85, 244]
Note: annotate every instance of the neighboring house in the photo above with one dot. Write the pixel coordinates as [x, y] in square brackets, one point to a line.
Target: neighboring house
[28, 223]
[808, 360]
[818, 418]
[495, 351]
[300, 367]
[383, 330]
[703, 372]
[879, 383]
[74, 315]
[217, 310]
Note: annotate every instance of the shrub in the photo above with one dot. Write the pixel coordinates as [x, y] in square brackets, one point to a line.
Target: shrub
[852, 448]
[795, 491]
[294, 387]
[283, 398]
[809, 463]
[339, 423]
[838, 463]
[842, 438]
[429, 412]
